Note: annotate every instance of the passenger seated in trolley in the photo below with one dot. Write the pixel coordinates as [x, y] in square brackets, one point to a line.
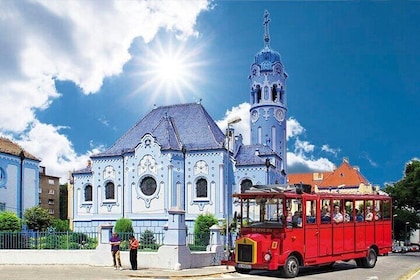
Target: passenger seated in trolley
[359, 216]
[338, 217]
[369, 215]
[297, 219]
[325, 215]
[311, 219]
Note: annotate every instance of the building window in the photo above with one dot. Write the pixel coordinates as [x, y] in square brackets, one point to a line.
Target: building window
[51, 211]
[51, 191]
[246, 185]
[51, 201]
[51, 181]
[88, 193]
[201, 188]
[2, 206]
[3, 178]
[109, 191]
[148, 186]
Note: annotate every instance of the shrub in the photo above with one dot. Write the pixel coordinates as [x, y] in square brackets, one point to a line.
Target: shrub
[147, 240]
[9, 221]
[202, 229]
[60, 225]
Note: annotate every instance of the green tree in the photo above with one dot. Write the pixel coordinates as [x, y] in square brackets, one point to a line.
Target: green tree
[63, 202]
[406, 192]
[202, 228]
[124, 228]
[37, 218]
[9, 221]
[406, 200]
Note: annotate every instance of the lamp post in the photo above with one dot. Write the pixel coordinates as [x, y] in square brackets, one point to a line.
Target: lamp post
[405, 236]
[230, 122]
[393, 226]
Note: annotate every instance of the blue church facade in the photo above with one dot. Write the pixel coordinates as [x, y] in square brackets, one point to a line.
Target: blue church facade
[177, 157]
[19, 178]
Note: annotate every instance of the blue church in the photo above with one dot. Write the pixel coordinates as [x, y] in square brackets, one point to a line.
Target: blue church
[177, 157]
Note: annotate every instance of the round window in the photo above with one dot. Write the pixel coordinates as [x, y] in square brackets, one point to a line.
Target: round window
[148, 186]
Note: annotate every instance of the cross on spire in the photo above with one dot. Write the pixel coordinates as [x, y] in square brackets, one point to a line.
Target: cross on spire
[266, 32]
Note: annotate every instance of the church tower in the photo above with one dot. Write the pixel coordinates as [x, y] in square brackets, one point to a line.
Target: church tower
[268, 101]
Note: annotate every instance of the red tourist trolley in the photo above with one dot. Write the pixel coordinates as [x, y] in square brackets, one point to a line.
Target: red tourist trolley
[283, 229]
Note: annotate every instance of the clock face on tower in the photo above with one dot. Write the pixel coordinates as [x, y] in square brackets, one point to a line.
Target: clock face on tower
[254, 115]
[279, 114]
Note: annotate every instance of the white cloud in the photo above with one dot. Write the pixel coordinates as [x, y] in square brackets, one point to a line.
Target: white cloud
[53, 148]
[293, 128]
[328, 149]
[80, 41]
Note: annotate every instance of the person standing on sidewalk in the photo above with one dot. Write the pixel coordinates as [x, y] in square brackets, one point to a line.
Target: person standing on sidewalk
[115, 242]
[134, 245]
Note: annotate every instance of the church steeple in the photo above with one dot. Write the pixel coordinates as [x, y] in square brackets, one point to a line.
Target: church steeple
[268, 100]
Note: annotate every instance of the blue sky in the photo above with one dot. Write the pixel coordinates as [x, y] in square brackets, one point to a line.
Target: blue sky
[76, 75]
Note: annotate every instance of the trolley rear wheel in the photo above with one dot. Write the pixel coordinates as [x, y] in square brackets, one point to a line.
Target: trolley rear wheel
[370, 260]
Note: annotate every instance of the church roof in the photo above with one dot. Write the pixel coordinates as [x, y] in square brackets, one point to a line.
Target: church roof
[345, 175]
[174, 126]
[11, 148]
[252, 154]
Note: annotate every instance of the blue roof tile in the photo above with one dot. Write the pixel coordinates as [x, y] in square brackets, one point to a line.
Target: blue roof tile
[253, 154]
[173, 126]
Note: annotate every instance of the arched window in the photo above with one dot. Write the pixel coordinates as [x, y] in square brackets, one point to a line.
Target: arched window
[258, 94]
[88, 193]
[274, 93]
[148, 186]
[201, 188]
[109, 190]
[245, 185]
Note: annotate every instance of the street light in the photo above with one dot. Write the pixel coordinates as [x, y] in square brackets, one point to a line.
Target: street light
[405, 237]
[393, 226]
[230, 122]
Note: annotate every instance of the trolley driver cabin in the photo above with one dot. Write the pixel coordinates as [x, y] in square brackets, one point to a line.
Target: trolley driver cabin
[284, 229]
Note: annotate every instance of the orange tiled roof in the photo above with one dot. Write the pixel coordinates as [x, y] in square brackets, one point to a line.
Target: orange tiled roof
[8, 147]
[345, 175]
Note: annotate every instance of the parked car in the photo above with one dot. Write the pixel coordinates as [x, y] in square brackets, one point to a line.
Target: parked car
[414, 248]
[397, 249]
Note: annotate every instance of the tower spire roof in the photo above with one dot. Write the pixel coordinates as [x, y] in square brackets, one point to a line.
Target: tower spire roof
[266, 31]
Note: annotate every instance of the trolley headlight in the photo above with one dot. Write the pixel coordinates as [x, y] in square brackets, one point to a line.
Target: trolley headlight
[267, 257]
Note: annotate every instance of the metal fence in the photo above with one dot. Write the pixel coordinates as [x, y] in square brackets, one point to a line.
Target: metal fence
[149, 241]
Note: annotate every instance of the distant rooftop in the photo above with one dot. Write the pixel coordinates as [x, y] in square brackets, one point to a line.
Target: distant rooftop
[11, 148]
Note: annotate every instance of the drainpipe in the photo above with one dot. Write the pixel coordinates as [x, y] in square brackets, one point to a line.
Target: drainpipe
[22, 158]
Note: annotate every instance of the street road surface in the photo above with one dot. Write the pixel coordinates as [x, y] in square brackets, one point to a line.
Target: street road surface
[392, 267]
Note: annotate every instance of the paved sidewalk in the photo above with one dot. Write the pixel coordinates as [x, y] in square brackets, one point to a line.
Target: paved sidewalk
[87, 272]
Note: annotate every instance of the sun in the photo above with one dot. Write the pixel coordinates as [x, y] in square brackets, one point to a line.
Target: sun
[169, 71]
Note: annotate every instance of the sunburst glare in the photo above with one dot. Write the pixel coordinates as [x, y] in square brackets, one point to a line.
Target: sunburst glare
[169, 72]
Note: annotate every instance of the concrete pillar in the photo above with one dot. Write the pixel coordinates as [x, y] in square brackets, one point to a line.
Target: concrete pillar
[175, 254]
[216, 245]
